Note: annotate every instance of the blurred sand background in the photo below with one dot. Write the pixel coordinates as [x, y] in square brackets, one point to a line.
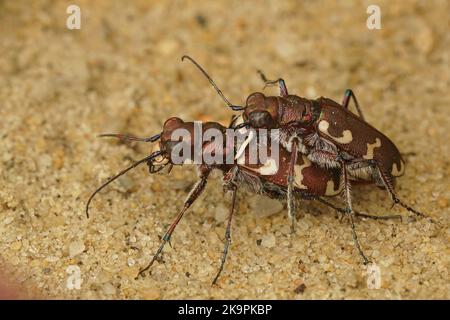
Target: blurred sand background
[122, 72]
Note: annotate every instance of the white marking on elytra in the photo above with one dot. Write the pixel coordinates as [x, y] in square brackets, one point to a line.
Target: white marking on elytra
[330, 191]
[298, 179]
[346, 134]
[371, 147]
[269, 168]
[397, 171]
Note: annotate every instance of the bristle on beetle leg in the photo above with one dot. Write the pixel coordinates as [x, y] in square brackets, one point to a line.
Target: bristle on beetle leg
[290, 181]
[350, 211]
[355, 239]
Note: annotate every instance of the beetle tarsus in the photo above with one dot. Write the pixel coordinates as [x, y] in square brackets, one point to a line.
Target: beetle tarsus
[193, 195]
[227, 235]
[280, 82]
[345, 101]
[355, 239]
[390, 188]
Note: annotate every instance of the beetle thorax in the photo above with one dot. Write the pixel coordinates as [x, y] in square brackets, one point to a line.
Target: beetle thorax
[294, 109]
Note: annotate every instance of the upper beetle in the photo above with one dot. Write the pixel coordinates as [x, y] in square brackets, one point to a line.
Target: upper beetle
[328, 133]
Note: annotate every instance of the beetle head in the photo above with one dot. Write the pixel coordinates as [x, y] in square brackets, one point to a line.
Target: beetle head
[175, 132]
[261, 111]
[183, 135]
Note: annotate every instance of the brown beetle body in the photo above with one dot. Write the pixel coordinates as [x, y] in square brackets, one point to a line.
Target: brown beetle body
[312, 181]
[328, 133]
[310, 178]
[325, 130]
[331, 136]
[357, 138]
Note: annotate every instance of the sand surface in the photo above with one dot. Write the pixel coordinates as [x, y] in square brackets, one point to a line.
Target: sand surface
[122, 72]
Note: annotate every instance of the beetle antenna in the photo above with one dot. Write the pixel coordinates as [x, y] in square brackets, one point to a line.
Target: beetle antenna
[132, 138]
[219, 92]
[134, 165]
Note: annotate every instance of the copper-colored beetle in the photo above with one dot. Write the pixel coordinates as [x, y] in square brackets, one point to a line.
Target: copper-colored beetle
[313, 182]
[328, 134]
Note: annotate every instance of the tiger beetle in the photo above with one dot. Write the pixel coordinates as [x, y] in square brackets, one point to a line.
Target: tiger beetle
[268, 176]
[328, 134]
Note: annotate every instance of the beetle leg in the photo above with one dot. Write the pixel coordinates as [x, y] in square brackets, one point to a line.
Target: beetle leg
[193, 195]
[357, 213]
[345, 101]
[370, 216]
[355, 239]
[350, 211]
[290, 183]
[323, 158]
[387, 181]
[227, 234]
[347, 187]
[279, 81]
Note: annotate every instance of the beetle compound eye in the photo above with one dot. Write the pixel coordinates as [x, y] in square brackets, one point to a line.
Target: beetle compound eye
[260, 119]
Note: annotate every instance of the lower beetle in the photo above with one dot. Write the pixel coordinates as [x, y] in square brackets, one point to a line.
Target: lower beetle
[312, 181]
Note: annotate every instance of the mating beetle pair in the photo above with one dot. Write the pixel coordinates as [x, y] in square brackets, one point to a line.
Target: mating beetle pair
[318, 157]
[313, 182]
